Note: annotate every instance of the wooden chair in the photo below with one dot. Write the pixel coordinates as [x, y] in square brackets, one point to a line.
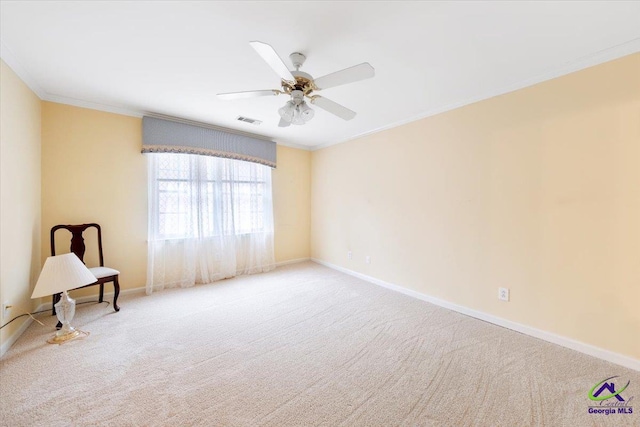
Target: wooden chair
[102, 273]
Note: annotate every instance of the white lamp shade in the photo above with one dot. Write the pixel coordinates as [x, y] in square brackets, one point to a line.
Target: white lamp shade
[61, 273]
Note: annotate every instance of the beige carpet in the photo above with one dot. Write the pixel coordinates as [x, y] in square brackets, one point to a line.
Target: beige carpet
[300, 346]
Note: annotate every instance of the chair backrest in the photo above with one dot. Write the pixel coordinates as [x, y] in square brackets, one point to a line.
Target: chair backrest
[77, 241]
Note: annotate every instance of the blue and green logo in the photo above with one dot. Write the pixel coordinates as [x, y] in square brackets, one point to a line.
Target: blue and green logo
[610, 387]
[607, 399]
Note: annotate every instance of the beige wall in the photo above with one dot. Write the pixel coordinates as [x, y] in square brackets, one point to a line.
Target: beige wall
[537, 190]
[93, 171]
[19, 197]
[292, 204]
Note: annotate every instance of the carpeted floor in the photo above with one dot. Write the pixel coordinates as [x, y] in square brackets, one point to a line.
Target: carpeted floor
[300, 346]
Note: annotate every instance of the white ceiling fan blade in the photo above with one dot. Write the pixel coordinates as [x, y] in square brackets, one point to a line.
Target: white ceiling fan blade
[348, 75]
[248, 94]
[333, 107]
[275, 62]
[283, 123]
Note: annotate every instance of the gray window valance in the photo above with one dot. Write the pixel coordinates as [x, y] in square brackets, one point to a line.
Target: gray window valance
[167, 136]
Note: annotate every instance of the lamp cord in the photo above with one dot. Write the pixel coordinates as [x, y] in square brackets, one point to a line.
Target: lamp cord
[44, 311]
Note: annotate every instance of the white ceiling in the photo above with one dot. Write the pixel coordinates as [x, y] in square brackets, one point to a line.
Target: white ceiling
[172, 58]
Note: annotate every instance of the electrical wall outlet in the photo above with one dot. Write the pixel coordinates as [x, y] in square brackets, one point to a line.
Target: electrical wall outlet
[503, 294]
[350, 255]
[5, 309]
[367, 259]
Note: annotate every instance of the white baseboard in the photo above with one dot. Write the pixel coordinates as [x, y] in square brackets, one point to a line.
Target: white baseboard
[609, 356]
[291, 261]
[108, 296]
[25, 324]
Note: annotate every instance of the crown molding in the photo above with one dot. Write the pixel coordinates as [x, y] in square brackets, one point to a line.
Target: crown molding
[295, 145]
[139, 114]
[596, 58]
[6, 54]
[92, 105]
[10, 59]
[136, 113]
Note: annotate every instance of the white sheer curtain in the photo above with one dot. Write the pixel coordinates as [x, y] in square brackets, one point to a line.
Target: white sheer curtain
[209, 219]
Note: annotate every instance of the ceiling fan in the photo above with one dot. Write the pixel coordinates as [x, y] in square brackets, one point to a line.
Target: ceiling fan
[299, 85]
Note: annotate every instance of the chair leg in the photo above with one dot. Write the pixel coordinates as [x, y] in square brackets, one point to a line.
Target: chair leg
[116, 292]
[101, 297]
[56, 299]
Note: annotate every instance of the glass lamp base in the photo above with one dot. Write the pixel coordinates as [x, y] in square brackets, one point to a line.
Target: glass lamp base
[65, 309]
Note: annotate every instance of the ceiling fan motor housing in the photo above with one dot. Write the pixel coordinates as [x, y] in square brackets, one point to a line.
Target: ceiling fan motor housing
[297, 59]
[304, 83]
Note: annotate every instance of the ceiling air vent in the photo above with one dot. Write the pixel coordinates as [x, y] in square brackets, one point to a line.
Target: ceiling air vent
[248, 120]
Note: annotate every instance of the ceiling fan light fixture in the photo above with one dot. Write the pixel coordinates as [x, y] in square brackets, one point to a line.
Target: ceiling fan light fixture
[306, 112]
[296, 112]
[287, 112]
[297, 120]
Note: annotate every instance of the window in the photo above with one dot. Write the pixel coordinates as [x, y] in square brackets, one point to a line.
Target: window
[195, 196]
[210, 218]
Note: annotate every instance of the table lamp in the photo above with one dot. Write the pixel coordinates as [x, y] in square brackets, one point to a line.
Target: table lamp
[60, 274]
